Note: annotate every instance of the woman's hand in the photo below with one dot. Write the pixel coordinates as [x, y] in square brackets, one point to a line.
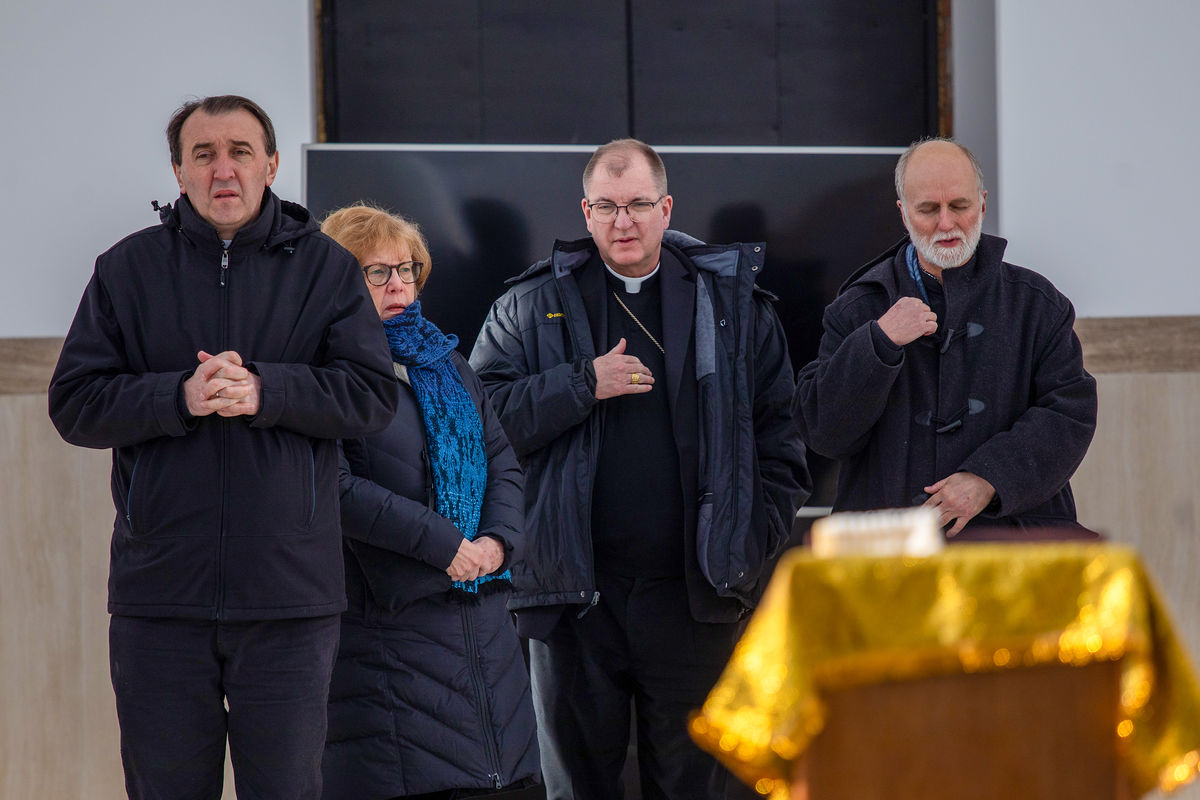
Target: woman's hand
[493, 553]
[473, 559]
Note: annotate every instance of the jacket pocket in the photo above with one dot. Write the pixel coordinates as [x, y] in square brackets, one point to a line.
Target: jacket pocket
[553, 339]
[170, 493]
[135, 526]
[276, 487]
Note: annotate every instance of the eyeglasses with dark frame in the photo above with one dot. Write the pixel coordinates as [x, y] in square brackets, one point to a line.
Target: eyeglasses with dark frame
[638, 210]
[380, 274]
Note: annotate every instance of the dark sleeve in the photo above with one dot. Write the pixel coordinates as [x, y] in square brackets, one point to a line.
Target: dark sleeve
[888, 351]
[782, 466]
[1032, 461]
[503, 514]
[842, 393]
[349, 389]
[95, 398]
[379, 517]
[535, 408]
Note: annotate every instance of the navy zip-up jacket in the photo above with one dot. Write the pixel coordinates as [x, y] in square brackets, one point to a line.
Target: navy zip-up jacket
[224, 518]
[751, 470]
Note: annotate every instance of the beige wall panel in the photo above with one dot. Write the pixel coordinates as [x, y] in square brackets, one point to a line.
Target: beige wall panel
[102, 748]
[1140, 344]
[41, 694]
[1140, 482]
[28, 364]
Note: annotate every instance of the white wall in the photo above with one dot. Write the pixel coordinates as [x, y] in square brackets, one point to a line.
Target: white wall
[973, 78]
[1097, 125]
[1099, 130]
[86, 91]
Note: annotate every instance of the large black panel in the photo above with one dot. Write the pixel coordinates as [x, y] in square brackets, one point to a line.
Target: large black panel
[553, 72]
[489, 214]
[706, 72]
[456, 71]
[402, 70]
[857, 72]
[818, 72]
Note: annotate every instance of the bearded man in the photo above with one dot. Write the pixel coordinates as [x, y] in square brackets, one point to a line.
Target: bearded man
[946, 376]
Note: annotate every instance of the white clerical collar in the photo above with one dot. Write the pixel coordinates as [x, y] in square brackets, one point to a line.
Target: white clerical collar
[633, 285]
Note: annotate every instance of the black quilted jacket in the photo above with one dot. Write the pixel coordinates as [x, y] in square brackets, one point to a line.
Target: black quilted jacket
[430, 690]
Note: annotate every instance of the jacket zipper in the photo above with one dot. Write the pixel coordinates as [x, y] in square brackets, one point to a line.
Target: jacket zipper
[223, 333]
[430, 498]
[595, 435]
[738, 334]
[485, 716]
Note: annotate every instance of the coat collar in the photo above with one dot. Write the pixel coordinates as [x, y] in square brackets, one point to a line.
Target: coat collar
[886, 268]
[278, 222]
[678, 283]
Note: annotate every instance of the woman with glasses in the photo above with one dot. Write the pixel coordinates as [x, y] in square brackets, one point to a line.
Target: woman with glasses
[430, 694]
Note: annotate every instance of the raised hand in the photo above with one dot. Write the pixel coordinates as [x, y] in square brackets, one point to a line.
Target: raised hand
[617, 374]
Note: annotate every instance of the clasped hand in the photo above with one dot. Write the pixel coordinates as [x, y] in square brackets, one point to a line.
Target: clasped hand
[221, 385]
[473, 559]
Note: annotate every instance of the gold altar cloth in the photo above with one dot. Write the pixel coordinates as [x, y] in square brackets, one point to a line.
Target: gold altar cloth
[835, 623]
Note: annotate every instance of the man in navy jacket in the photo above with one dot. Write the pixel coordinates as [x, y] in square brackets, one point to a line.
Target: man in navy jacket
[947, 377]
[644, 381]
[221, 354]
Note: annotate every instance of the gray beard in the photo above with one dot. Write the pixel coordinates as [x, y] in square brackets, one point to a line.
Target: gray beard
[941, 257]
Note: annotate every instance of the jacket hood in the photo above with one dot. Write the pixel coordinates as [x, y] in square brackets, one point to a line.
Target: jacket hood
[879, 269]
[279, 222]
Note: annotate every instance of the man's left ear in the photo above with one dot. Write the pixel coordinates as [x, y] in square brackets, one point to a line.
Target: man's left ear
[272, 168]
[983, 202]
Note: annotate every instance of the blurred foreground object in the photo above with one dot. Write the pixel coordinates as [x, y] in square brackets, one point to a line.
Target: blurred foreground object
[1055, 668]
[907, 532]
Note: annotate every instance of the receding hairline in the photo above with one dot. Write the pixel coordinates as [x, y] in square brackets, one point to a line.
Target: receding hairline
[902, 163]
[619, 156]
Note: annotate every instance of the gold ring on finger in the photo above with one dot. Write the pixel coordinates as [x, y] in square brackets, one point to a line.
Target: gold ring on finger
[635, 378]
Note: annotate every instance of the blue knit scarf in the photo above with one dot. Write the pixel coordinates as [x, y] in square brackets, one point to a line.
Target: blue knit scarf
[453, 429]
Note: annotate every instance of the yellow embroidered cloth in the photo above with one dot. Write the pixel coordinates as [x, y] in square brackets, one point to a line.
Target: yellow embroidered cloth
[834, 623]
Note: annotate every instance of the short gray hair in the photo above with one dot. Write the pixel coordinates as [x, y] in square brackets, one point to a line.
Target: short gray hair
[616, 159]
[902, 163]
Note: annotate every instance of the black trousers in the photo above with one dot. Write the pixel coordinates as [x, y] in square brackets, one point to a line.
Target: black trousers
[183, 686]
[639, 644]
